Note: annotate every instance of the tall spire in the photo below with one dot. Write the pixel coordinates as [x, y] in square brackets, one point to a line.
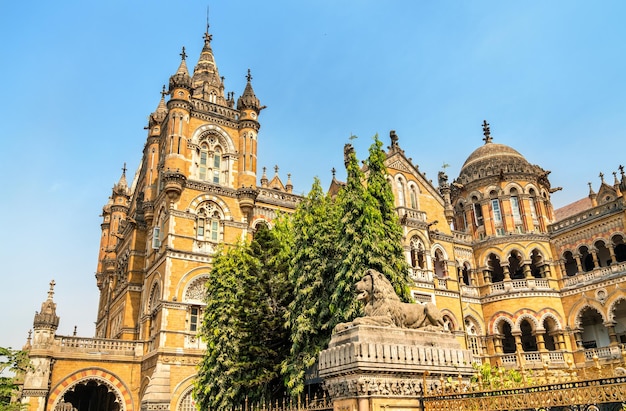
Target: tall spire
[206, 81]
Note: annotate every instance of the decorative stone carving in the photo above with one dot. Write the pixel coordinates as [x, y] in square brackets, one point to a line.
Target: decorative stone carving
[384, 308]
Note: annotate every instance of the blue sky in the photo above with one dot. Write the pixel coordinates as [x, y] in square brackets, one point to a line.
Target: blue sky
[80, 79]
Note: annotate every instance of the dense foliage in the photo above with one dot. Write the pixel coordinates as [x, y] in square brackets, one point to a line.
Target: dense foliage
[247, 295]
[315, 257]
[272, 304]
[13, 364]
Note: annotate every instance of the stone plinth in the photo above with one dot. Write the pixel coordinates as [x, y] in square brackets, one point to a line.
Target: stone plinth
[369, 366]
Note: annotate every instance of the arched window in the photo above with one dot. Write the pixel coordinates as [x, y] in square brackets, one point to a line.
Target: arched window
[217, 163]
[413, 194]
[400, 186]
[440, 264]
[495, 208]
[515, 208]
[208, 222]
[417, 253]
[203, 162]
[532, 204]
[478, 212]
[473, 340]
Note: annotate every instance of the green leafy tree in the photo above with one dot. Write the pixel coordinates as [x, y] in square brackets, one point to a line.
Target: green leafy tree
[266, 341]
[366, 240]
[310, 322]
[221, 374]
[243, 326]
[394, 264]
[13, 364]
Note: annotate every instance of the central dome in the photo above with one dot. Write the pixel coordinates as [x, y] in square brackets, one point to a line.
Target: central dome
[491, 151]
[493, 159]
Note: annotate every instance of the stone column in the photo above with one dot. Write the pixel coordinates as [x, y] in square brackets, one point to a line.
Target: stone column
[610, 327]
[487, 277]
[507, 272]
[497, 343]
[579, 264]
[612, 252]
[563, 269]
[518, 341]
[541, 344]
[527, 271]
[594, 255]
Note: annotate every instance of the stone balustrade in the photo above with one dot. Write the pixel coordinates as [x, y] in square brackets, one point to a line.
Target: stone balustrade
[99, 346]
[596, 274]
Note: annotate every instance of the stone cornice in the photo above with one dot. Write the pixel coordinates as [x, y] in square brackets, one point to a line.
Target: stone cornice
[279, 198]
[519, 294]
[509, 238]
[211, 188]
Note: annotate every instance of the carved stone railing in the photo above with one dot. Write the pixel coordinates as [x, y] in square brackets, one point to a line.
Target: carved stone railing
[420, 275]
[99, 346]
[594, 275]
[526, 284]
[469, 291]
[533, 359]
[411, 214]
[612, 352]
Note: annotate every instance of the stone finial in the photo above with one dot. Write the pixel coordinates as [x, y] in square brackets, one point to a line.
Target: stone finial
[51, 290]
[601, 175]
[183, 55]
[487, 132]
[333, 171]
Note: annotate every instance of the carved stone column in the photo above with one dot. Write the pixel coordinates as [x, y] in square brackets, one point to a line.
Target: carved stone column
[610, 327]
[579, 264]
[527, 272]
[541, 343]
[612, 252]
[594, 255]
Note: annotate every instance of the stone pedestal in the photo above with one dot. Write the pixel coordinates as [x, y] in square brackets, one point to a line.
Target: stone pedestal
[368, 368]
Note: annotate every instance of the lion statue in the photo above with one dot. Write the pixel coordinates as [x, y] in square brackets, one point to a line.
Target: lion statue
[384, 308]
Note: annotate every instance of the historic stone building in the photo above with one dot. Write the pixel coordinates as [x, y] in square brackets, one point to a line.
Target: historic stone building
[518, 282]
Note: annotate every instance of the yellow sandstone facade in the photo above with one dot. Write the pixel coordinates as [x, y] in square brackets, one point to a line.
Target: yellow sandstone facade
[519, 284]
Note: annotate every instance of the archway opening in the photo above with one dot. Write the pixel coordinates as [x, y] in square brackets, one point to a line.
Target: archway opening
[89, 395]
[594, 334]
[508, 341]
[515, 265]
[550, 326]
[529, 342]
[604, 256]
[620, 248]
[497, 273]
[571, 268]
[619, 316]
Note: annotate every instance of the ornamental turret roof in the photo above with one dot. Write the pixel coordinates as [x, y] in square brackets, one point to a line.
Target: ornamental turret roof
[181, 78]
[248, 99]
[206, 80]
[47, 318]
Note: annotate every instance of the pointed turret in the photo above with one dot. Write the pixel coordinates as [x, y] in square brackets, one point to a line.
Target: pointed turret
[47, 319]
[157, 117]
[181, 78]
[249, 107]
[206, 81]
[248, 100]
[592, 195]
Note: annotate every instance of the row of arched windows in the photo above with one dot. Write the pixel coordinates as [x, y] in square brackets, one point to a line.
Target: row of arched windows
[589, 257]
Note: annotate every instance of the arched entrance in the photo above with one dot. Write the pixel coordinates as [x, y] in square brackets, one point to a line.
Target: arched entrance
[90, 390]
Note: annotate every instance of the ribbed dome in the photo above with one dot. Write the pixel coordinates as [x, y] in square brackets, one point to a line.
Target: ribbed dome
[490, 152]
[493, 159]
